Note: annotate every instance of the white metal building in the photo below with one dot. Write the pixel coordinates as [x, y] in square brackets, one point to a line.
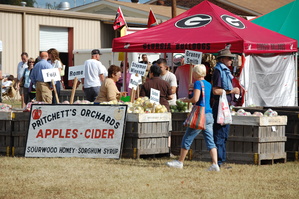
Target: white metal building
[31, 30]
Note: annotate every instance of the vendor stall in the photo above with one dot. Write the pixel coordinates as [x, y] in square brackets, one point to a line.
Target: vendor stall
[209, 28]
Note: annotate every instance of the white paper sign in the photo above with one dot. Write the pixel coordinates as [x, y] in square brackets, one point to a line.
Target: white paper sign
[49, 74]
[193, 57]
[76, 71]
[138, 68]
[92, 131]
[155, 96]
[135, 81]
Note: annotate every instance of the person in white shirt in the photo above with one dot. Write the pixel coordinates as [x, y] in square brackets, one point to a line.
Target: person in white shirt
[20, 72]
[1, 83]
[170, 78]
[7, 83]
[95, 73]
[55, 61]
[182, 74]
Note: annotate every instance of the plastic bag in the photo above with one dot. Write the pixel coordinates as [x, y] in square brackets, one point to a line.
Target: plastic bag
[224, 115]
[62, 71]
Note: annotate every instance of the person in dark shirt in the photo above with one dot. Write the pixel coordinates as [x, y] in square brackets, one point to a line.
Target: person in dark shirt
[144, 59]
[222, 80]
[157, 83]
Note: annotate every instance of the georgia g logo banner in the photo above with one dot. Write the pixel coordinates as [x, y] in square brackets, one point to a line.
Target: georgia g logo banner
[232, 21]
[194, 21]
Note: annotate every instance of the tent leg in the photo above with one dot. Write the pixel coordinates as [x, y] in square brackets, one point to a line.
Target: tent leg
[297, 77]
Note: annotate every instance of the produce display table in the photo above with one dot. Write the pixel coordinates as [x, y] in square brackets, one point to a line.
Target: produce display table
[252, 140]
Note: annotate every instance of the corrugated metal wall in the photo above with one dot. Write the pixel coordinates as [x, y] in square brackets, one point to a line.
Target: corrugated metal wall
[87, 35]
[86, 32]
[11, 37]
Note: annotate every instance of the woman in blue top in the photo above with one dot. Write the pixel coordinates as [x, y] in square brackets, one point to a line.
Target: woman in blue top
[199, 72]
[28, 95]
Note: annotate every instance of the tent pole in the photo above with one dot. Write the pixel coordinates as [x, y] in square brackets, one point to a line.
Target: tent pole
[125, 72]
[297, 76]
[112, 61]
[245, 85]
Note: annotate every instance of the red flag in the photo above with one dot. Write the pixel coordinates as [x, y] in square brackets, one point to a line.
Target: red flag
[151, 19]
[119, 20]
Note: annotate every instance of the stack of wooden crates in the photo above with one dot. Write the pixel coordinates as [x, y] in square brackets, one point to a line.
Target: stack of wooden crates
[5, 132]
[146, 134]
[13, 132]
[252, 140]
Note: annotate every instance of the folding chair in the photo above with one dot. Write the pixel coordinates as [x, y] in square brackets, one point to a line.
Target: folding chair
[10, 93]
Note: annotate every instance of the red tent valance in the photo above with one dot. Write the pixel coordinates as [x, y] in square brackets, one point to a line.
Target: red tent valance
[206, 28]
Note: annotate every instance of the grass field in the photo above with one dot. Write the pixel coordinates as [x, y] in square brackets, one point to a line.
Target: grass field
[142, 178]
[43, 178]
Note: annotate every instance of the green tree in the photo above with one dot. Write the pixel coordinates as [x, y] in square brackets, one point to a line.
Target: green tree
[30, 3]
[52, 6]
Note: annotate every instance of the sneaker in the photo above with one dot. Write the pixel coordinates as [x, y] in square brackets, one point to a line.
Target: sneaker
[175, 164]
[214, 167]
[225, 166]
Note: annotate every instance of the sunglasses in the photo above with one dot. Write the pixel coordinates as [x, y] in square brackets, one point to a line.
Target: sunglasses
[230, 58]
[31, 62]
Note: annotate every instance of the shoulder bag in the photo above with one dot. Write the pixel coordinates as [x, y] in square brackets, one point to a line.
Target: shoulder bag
[197, 118]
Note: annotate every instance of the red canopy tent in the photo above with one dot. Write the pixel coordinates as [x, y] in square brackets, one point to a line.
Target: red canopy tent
[206, 28]
[269, 67]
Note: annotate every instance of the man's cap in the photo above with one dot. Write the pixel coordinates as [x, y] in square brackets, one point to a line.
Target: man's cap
[96, 51]
[225, 53]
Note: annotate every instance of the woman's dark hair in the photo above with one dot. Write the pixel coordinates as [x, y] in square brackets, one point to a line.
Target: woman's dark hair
[54, 53]
[156, 70]
[11, 77]
[112, 70]
[122, 64]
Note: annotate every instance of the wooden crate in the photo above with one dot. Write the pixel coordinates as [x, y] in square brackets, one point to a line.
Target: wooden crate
[20, 122]
[256, 144]
[292, 133]
[177, 122]
[178, 131]
[292, 127]
[259, 121]
[5, 133]
[146, 134]
[256, 141]
[66, 95]
[199, 149]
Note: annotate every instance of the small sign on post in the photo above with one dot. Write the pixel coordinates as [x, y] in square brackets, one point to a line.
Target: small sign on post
[135, 81]
[51, 74]
[193, 57]
[155, 96]
[76, 71]
[138, 68]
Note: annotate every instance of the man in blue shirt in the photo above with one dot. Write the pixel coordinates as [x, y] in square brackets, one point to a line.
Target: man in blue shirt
[43, 90]
[222, 80]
